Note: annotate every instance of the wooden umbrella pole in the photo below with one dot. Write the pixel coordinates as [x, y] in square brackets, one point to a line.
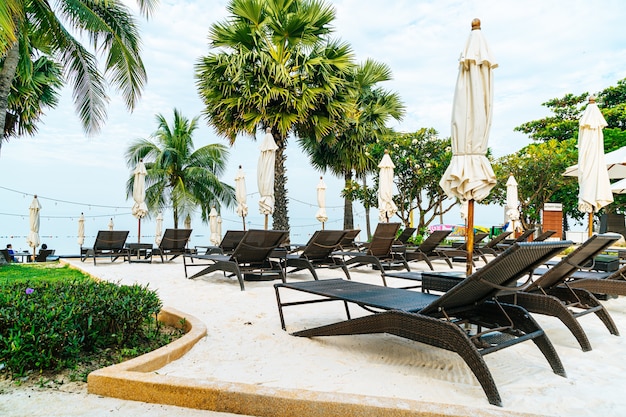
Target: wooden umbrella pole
[469, 233]
[591, 223]
[139, 230]
[266, 222]
[243, 220]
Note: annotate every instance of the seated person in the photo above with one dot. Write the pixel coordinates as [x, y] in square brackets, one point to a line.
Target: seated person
[11, 252]
[44, 254]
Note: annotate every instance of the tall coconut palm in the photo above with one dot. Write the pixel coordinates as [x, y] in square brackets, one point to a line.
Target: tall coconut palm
[274, 66]
[177, 175]
[345, 154]
[47, 27]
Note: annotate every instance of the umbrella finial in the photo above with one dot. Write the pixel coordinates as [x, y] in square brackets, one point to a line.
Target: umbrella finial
[239, 166]
[592, 99]
[476, 24]
[268, 130]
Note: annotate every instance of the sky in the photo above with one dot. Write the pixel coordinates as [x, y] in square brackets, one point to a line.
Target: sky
[545, 49]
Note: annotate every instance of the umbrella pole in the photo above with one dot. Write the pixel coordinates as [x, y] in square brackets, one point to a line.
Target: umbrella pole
[591, 223]
[139, 230]
[266, 222]
[470, 237]
[322, 225]
[243, 220]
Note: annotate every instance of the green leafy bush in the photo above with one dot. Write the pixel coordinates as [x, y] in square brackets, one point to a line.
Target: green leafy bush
[47, 325]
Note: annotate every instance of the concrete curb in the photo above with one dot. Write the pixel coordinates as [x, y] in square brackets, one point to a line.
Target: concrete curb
[138, 380]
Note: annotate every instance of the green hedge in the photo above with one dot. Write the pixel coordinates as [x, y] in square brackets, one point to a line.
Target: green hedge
[47, 325]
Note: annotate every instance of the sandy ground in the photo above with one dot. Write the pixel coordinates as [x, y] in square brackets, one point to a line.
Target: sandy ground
[246, 344]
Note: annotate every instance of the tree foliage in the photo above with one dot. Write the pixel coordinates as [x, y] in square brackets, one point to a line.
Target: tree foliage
[178, 175]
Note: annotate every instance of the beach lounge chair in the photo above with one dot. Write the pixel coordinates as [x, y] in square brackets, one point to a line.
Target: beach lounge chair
[173, 244]
[600, 283]
[613, 222]
[549, 294]
[377, 252]
[317, 253]
[543, 236]
[228, 244]
[490, 248]
[108, 244]
[521, 238]
[426, 251]
[460, 253]
[404, 236]
[250, 257]
[348, 241]
[442, 321]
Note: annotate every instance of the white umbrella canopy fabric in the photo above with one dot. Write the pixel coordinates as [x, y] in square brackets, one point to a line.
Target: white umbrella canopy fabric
[512, 203]
[215, 237]
[593, 176]
[81, 229]
[33, 235]
[265, 174]
[615, 162]
[386, 207]
[139, 209]
[219, 227]
[321, 215]
[188, 222]
[241, 195]
[469, 175]
[111, 224]
[158, 233]
[619, 187]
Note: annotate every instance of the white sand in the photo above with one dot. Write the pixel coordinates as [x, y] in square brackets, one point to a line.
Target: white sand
[246, 344]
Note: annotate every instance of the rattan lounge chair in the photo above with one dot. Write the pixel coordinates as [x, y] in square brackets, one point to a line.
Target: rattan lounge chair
[543, 236]
[611, 283]
[521, 238]
[251, 257]
[549, 294]
[173, 244]
[42, 255]
[404, 236]
[460, 253]
[348, 241]
[317, 253]
[377, 252]
[613, 222]
[443, 321]
[228, 244]
[426, 251]
[109, 244]
[490, 248]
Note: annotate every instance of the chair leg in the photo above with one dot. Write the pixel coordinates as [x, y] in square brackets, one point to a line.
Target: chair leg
[588, 299]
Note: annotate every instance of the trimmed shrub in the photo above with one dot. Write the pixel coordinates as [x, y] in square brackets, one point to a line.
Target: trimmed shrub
[47, 325]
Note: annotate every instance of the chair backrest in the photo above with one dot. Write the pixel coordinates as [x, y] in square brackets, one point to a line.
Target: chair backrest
[110, 239]
[503, 271]
[434, 240]
[175, 239]
[493, 242]
[478, 237]
[43, 255]
[322, 243]
[406, 234]
[611, 222]
[348, 239]
[5, 254]
[383, 239]
[524, 236]
[572, 262]
[257, 245]
[231, 240]
[544, 236]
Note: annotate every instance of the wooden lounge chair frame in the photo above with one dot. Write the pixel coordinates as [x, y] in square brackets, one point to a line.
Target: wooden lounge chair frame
[252, 256]
[426, 251]
[551, 295]
[442, 321]
[173, 243]
[378, 252]
[109, 244]
[317, 253]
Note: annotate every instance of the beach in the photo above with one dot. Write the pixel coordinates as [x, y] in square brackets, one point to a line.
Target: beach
[246, 344]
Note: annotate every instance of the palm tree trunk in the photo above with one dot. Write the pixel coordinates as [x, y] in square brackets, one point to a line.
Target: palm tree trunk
[7, 74]
[175, 210]
[368, 225]
[280, 219]
[348, 215]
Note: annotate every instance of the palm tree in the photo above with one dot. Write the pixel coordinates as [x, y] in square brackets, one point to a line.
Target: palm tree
[346, 154]
[177, 175]
[46, 27]
[274, 66]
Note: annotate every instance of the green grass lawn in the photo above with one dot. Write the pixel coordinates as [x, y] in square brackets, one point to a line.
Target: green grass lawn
[40, 272]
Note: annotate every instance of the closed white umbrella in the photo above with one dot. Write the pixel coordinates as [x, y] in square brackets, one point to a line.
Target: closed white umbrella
[469, 175]
[111, 225]
[241, 196]
[81, 230]
[139, 209]
[219, 228]
[265, 174]
[386, 207]
[215, 237]
[33, 235]
[188, 222]
[159, 229]
[593, 177]
[321, 203]
[512, 203]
